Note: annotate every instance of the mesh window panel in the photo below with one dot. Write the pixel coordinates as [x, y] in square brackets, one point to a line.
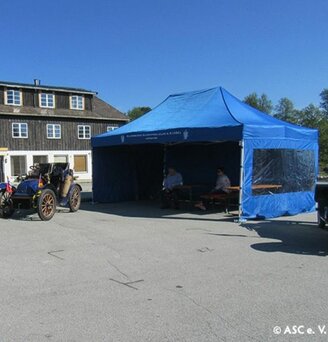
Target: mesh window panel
[282, 171]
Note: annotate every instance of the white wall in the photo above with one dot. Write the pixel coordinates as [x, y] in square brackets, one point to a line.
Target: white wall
[29, 161]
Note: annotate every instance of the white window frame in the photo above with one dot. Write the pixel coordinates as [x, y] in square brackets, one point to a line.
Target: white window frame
[20, 97]
[84, 135]
[19, 130]
[111, 128]
[47, 100]
[77, 107]
[25, 162]
[53, 130]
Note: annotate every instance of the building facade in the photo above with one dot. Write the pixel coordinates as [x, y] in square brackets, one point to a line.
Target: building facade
[50, 124]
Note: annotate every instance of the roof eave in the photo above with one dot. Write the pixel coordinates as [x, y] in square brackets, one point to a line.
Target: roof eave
[67, 90]
[66, 116]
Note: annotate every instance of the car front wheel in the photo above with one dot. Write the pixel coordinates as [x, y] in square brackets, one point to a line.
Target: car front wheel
[46, 206]
[6, 205]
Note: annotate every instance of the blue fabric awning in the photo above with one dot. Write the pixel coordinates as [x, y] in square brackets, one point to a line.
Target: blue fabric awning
[206, 115]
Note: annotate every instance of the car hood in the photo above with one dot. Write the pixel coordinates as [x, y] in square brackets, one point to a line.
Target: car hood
[28, 186]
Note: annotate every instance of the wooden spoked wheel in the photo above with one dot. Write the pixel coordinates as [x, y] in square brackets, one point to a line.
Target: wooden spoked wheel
[75, 199]
[6, 205]
[46, 205]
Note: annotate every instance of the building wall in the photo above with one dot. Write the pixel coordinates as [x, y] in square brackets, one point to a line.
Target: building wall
[2, 96]
[37, 133]
[37, 143]
[29, 154]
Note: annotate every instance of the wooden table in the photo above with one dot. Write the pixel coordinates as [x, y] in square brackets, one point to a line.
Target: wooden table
[257, 187]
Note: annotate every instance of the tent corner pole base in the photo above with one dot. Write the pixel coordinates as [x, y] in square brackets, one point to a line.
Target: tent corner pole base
[240, 220]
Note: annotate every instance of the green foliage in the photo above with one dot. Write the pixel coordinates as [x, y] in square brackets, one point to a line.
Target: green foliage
[262, 103]
[285, 110]
[137, 112]
[323, 143]
[324, 101]
[311, 116]
[252, 100]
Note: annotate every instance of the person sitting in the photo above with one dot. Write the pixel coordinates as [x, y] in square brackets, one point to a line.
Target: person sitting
[170, 192]
[221, 187]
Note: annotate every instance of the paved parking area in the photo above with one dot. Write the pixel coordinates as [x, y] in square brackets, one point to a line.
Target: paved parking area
[131, 272]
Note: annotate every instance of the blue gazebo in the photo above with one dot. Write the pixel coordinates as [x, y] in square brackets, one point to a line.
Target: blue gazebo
[274, 163]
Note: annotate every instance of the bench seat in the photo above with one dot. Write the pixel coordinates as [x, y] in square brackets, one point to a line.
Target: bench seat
[221, 198]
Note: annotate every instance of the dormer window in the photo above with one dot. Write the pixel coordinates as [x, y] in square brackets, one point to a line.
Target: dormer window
[77, 102]
[47, 100]
[13, 97]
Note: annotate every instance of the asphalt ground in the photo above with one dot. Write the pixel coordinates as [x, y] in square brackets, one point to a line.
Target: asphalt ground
[133, 272]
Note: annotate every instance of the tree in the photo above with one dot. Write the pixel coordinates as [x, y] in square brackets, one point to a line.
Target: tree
[323, 129]
[311, 116]
[262, 103]
[323, 143]
[252, 100]
[137, 112]
[324, 100]
[285, 110]
[266, 105]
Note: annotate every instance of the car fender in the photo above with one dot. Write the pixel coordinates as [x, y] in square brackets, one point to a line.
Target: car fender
[73, 186]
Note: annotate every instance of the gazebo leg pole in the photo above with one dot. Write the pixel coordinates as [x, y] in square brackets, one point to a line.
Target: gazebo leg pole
[164, 161]
[241, 181]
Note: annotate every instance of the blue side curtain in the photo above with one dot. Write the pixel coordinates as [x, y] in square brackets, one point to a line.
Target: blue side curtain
[290, 164]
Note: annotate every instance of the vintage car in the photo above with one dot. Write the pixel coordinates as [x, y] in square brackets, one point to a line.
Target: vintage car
[43, 188]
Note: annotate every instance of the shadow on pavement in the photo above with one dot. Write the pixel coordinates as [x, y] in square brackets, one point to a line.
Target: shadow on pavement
[31, 214]
[145, 209]
[295, 237]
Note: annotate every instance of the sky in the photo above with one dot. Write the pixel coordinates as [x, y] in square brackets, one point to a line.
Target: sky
[137, 52]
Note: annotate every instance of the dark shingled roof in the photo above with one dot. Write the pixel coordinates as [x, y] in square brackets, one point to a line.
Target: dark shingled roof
[46, 87]
[100, 111]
